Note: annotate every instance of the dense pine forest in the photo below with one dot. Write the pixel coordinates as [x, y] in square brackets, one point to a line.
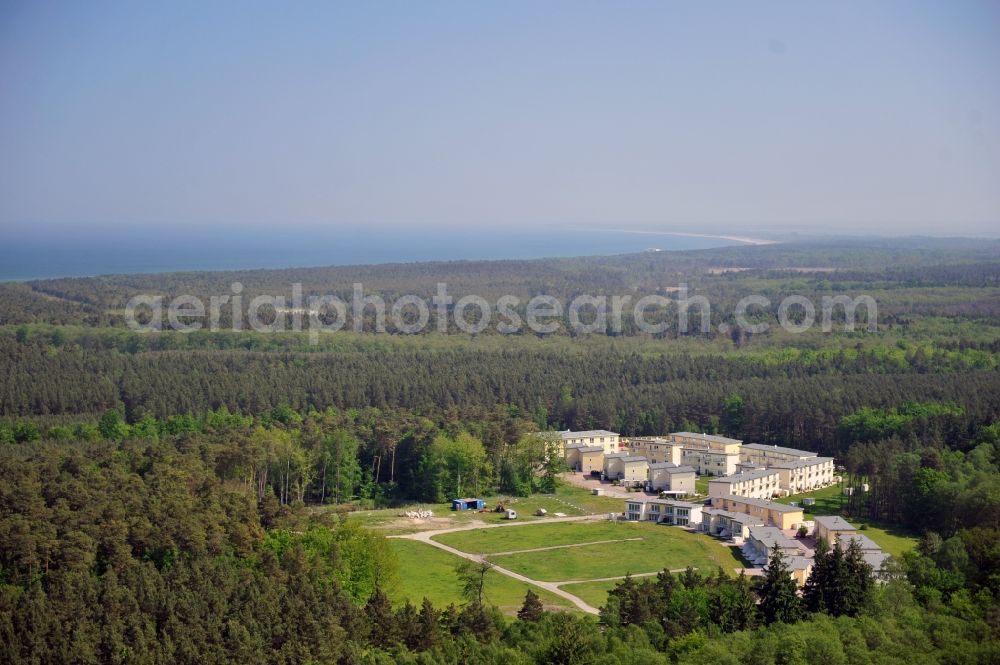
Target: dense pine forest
[172, 497]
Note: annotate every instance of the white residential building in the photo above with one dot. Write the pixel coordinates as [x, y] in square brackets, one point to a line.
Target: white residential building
[761, 541]
[709, 441]
[585, 458]
[655, 449]
[727, 523]
[760, 484]
[831, 528]
[595, 437]
[663, 511]
[764, 455]
[668, 477]
[805, 474]
[710, 462]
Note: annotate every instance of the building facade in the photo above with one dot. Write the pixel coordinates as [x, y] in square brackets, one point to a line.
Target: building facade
[727, 523]
[655, 449]
[769, 512]
[764, 455]
[668, 477]
[663, 511]
[805, 475]
[577, 454]
[831, 527]
[760, 484]
[710, 462]
[610, 441]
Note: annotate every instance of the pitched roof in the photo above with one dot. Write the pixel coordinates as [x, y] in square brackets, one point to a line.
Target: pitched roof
[875, 559]
[662, 465]
[834, 523]
[799, 463]
[746, 475]
[780, 449]
[798, 562]
[742, 518]
[682, 469]
[706, 437]
[586, 433]
[866, 543]
[762, 503]
[770, 536]
[591, 449]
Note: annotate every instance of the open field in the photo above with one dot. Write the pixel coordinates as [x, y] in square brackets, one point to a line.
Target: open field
[594, 593]
[492, 541]
[660, 547]
[427, 571]
[572, 501]
[891, 539]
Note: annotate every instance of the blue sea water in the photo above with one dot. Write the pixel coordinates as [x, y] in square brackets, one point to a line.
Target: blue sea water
[25, 255]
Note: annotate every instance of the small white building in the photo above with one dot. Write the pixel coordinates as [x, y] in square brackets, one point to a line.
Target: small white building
[668, 477]
[614, 465]
[663, 511]
[584, 458]
[635, 470]
[831, 528]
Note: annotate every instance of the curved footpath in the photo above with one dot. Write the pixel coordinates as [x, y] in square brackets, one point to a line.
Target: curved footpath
[552, 587]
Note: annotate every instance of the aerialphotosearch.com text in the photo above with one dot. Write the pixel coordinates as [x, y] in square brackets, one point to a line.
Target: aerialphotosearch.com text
[473, 314]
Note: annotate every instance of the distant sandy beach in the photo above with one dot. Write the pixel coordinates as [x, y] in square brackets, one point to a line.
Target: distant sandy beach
[744, 239]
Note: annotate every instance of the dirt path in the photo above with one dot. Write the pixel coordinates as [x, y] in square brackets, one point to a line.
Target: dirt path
[551, 587]
[621, 577]
[560, 547]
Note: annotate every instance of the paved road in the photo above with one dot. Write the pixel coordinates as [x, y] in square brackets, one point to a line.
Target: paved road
[552, 587]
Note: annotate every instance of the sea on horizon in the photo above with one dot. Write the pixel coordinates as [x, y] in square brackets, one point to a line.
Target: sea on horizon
[85, 255]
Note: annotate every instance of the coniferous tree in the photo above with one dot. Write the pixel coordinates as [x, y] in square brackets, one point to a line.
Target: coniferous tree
[429, 634]
[378, 611]
[734, 606]
[858, 585]
[532, 609]
[817, 585]
[778, 599]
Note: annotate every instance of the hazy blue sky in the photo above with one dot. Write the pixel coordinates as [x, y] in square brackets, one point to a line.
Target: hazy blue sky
[874, 116]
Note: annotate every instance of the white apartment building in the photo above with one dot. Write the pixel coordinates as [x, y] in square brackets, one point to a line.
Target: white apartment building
[710, 462]
[764, 455]
[709, 441]
[655, 449]
[805, 475]
[610, 441]
[663, 511]
[760, 484]
[706, 453]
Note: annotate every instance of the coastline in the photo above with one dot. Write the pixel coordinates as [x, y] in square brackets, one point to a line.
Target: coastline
[687, 234]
